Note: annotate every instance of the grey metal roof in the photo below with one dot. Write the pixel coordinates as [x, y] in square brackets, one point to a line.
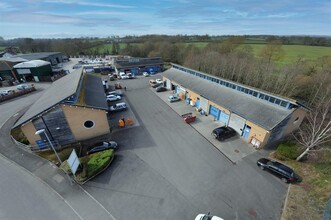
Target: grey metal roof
[60, 90]
[253, 109]
[136, 62]
[94, 94]
[36, 56]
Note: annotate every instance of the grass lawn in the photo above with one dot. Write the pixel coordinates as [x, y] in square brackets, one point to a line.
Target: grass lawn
[308, 199]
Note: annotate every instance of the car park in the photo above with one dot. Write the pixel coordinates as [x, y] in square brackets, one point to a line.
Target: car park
[160, 89]
[207, 217]
[105, 145]
[285, 173]
[118, 107]
[224, 132]
[173, 98]
[111, 98]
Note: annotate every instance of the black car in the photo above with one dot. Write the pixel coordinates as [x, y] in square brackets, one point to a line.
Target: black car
[284, 172]
[160, 89]
[223, 133]
[102, 146]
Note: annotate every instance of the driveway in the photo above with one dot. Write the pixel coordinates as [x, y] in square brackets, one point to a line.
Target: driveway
[165, 169]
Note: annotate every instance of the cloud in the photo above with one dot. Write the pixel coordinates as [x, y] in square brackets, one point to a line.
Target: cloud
[85, 3]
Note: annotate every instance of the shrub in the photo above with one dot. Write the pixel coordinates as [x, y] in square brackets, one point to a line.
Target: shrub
[289, 150]
[97, 162]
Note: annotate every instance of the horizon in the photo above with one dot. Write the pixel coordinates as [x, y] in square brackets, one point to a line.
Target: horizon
[57, 19]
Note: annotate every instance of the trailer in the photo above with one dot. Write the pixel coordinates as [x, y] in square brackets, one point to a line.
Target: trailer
[188, 117]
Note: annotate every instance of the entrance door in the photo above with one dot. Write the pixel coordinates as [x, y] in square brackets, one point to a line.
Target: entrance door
[237, 123]
[246, 132]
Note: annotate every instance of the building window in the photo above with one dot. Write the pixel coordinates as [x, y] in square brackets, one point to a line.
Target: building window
[296, 120]
[88, 124]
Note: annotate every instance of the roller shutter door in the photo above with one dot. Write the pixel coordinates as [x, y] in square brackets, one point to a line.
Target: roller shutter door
[214, 111]
[168, 84]
[237, 123]
[224, 118]
[204, 104]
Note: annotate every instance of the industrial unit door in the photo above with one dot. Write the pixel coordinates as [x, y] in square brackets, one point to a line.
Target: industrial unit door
[224, 117]
[203, 104]
[168, 84]
[214, 111]
[237, 123]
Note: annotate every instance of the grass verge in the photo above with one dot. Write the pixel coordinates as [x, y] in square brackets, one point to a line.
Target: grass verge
[308, 199]
[91, 165]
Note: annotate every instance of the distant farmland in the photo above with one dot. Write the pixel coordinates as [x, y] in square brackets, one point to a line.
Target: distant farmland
[292, 52]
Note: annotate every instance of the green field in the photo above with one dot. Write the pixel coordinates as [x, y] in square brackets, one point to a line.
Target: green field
[292, 52]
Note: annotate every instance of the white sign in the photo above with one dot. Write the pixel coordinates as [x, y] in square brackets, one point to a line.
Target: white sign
[73, 161]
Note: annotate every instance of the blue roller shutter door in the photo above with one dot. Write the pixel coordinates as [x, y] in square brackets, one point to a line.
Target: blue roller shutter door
[197, 103]
[214, 111]
[224, 118]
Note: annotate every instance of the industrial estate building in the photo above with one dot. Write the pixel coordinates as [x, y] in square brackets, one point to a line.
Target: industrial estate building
[259, 117]
[136, 66]
[72, 109]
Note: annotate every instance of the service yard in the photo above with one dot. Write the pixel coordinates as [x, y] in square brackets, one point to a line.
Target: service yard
[165, 169]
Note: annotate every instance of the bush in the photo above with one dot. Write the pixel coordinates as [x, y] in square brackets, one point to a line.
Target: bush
[97, 162]
[289, 150]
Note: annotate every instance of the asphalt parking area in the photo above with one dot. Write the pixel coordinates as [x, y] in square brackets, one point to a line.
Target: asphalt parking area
[234, 148]
[165, 169]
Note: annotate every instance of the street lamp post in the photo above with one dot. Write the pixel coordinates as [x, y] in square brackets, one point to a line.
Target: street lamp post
[52, 146]
[43, 131]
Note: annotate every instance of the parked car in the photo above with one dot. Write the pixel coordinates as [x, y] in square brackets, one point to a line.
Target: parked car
[23, 86]
[118, 107]
[102, 146]
[7, 92]
[173, 98]
[123, 76]
[160, 89]
[111, 98]
[285, 173]
[222, 133]
[116, 92]
[207, 217]
[145, 74]
[152, 83]
[159, 81]
[130, 76]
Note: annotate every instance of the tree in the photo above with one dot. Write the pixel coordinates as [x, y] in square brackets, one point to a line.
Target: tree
[273, 51]
[316, 129]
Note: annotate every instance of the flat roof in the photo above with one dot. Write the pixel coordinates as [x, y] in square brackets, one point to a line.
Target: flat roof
[136, 62]
[262, 113]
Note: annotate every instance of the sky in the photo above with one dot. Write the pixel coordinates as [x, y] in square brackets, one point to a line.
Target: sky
[103, 18]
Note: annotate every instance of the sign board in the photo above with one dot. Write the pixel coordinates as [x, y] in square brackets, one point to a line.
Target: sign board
[73, 161]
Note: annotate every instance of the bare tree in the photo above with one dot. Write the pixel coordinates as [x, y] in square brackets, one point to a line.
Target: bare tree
[316, 130]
